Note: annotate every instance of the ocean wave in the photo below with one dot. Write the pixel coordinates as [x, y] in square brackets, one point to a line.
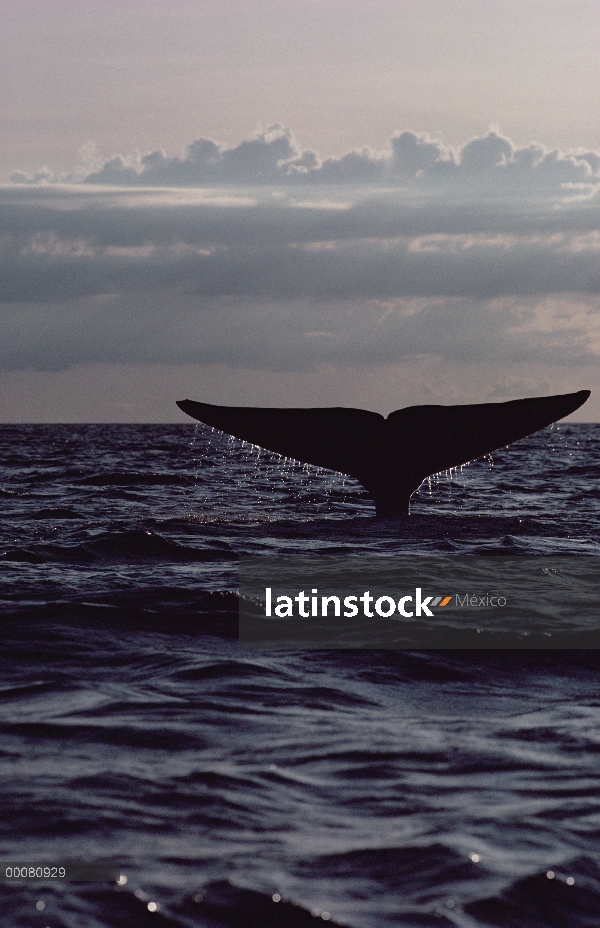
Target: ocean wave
[423, 871]
[222, 903]
[218, 904]
[565, 896]
[132, 479]
[56, 512]
[137, 544]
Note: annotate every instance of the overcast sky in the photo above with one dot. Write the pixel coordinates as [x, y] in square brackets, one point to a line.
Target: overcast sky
[297, 202]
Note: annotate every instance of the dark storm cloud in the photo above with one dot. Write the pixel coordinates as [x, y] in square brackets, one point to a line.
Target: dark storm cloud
[295, 335]
[419, 250]
[130, 222]
[278, 253]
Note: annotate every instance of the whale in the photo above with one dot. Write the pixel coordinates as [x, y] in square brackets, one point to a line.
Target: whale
[390, 456]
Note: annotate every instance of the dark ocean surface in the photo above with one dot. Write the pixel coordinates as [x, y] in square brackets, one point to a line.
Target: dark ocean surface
[274, 789]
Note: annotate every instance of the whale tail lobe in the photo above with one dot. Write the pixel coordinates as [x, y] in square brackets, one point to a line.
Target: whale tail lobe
[390, 457]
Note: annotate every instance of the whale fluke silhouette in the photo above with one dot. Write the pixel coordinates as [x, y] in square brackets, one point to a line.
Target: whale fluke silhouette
[390, 457]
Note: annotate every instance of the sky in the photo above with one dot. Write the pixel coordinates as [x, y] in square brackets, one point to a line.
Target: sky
[371, 203]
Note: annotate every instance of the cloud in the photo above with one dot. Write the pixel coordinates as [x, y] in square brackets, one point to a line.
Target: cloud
[54, 249]
[174, 327]
[264, 255]
[274, 156]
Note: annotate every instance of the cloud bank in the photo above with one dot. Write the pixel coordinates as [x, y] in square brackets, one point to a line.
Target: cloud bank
[263, 255]
[275, 157]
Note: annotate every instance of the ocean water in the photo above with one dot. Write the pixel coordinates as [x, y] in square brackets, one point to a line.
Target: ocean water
[273, 789]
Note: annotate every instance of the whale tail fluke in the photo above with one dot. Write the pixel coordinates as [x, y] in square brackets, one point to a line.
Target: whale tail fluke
[390, 457]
